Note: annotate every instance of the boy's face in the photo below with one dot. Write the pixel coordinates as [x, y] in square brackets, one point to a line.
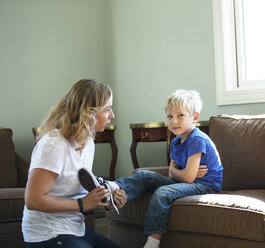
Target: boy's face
[181, 122]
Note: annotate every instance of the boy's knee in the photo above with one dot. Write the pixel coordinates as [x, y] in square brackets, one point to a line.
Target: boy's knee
[160, 197]
[143, 173]
[161, 192]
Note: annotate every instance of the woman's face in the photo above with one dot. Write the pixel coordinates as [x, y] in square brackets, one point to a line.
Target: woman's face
[104, 116]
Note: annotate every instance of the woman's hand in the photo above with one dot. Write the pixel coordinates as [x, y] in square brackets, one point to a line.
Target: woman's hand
[120, 198]
[94, 198]
[202, 171]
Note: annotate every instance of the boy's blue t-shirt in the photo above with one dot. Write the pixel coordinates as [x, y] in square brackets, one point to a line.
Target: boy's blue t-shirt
[199, 142]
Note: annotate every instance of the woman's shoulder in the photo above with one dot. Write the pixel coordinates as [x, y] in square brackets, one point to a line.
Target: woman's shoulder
[54, 139]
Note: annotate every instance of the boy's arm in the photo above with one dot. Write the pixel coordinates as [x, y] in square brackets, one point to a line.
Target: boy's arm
[189, 173]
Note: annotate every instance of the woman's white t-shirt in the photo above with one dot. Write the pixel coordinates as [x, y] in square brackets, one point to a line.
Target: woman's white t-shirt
[54, 153]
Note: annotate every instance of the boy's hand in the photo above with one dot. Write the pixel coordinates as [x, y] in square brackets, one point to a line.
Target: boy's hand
[120, 198]
[202, 171]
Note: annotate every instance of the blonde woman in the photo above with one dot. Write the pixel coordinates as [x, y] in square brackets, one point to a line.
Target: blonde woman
[54, 199]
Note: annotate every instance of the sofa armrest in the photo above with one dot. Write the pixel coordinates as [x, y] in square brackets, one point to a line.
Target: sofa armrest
[22, 169]
[161, 170]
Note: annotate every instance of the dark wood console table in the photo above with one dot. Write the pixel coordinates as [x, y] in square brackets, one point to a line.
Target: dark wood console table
[107, 136]
[155, 132]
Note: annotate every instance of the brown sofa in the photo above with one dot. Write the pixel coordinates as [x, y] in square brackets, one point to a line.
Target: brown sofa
[13, 177]
[233, 218]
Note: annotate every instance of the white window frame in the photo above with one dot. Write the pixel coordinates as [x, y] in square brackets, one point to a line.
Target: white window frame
[227, 88]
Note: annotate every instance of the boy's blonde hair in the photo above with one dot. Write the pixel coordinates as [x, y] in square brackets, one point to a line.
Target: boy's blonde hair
[188, 100]
[74, 115]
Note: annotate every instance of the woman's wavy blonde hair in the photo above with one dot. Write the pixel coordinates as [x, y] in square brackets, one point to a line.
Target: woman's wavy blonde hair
[74, 115]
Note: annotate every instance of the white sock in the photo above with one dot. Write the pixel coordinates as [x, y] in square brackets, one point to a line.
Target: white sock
[152, 243]
[113, 186]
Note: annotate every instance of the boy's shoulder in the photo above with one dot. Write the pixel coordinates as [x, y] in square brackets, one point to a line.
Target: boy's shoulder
[199, 136]
[198, 133]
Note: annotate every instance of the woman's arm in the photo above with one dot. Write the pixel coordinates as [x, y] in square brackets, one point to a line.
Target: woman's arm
[189, 173]
[38, 197]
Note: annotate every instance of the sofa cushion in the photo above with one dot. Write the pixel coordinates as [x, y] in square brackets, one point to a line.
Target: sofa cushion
[8, 171]
[240, 141]
[239, 214]
[11, 204]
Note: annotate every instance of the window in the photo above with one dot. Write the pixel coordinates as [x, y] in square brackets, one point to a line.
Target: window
[239, 39]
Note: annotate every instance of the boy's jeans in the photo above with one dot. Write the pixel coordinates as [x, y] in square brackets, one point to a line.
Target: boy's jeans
[165, 190]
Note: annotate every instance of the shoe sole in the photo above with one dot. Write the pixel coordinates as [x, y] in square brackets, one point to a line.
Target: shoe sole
[88, 182]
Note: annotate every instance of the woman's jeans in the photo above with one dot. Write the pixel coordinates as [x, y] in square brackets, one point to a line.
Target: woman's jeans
[90, 240]
[165, 190]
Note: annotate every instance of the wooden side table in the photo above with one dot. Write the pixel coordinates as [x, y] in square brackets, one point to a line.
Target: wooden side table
[107, 136]
[155, 132]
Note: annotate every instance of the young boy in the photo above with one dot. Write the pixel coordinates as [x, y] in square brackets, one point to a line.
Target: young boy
[195, 167]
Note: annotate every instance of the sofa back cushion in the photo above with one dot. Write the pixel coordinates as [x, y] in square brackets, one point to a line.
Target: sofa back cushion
[240, 141]
[8, 171]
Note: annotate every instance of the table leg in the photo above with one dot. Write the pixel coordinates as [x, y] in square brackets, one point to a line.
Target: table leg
[133, 154]
[113, 158]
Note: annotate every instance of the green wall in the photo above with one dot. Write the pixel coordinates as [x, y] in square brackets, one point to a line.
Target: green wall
[157, 46]
[45, 47]
[145, 49]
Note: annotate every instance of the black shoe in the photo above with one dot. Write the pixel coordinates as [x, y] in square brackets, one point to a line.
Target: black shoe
[90, 182]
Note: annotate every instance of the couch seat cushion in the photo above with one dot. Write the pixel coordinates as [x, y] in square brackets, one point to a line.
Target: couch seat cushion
[238, 214]
[11, 204]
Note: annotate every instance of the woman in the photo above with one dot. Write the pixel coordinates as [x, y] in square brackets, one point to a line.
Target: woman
[54, 198]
